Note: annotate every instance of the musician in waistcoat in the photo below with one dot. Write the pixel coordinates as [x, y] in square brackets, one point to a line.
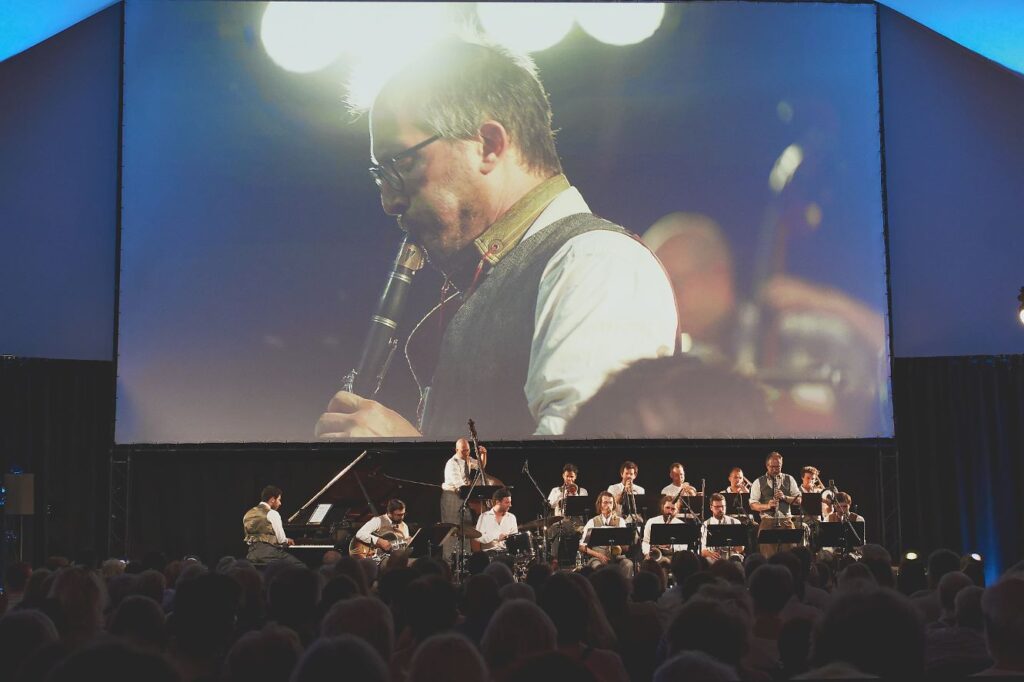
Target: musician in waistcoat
[543, 299]
[392, 521]
[264, 532]
[773, 495]
[607, 517]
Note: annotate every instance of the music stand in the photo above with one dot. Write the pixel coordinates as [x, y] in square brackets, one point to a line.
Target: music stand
[577, 505]
[840, 534]
[479, 492]
[780, 536]
[607, 536]
[727, 535]
[810, 504]
[737, 504]
[675, 534]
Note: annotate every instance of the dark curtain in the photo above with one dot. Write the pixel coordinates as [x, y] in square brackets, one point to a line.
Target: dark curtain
[56, 419]
[960, 429]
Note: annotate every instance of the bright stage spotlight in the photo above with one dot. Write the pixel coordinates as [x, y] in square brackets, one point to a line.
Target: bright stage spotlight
[785, 167]
[302, 36]
[624, 23]
[410, 28]
[527, 27]
[1020, 308]
[910, 556]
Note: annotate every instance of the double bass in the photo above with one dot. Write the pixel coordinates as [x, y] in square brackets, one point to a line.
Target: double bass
[479, 506]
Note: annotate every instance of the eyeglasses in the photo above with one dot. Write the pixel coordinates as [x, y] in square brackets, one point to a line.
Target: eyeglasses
[387, 171]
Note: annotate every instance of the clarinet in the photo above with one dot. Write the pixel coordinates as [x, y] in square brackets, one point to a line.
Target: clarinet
[382, 340]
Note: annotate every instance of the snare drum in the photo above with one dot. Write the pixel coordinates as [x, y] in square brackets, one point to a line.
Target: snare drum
[520, 544]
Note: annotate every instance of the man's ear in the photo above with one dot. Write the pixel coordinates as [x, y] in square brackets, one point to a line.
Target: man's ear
[495, 144]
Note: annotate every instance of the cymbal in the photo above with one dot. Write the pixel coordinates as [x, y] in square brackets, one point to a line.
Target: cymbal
[468, 531]
[540, 523]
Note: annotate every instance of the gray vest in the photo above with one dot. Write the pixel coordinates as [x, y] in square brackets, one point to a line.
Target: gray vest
[789, 488]
[485, 352]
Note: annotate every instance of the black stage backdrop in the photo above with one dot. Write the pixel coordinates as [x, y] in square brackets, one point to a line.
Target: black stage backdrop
[960, 429]
[960, 432]
[56, 421]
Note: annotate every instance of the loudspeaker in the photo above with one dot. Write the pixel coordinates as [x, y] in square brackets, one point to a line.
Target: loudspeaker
[21, 499]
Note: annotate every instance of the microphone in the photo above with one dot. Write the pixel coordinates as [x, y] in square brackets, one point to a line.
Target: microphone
[526, 466]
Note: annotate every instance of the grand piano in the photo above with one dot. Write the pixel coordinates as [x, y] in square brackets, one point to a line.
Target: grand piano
[361, 490]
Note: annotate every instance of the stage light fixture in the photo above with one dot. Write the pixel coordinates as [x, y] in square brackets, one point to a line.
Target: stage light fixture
[1020, 307]
[910, 556]
[526, 27]
[302, 37]
[624, 23]
[975, 556]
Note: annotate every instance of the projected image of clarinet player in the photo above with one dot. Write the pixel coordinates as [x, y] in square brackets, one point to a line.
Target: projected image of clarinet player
[772, 495]
[548, 299]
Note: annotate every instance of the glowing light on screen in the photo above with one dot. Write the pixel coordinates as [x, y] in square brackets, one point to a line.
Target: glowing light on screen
[526, 27]
[785, 167]
[302, 36]
[620, 23]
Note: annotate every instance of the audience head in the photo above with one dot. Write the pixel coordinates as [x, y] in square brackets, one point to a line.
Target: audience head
[795, 645]
[695, 665]
[566, 604]
[911, 576]
[518, 628]
[428, 606]
[549, 665]
[1002, 606]
[501, 573]
[752, 562]
[445, 657]
[646, 587]
[113, 661]
[80, 598]
[21, 633]
[267, 655]
[203, 620]
[140, 620]
[949, 586]
[967, 608]
[712, 627]
[856, 577]
[684, 564]
[517, 591]
[879, 632]
[771, 586]
[941, 562]
[365, 617]
[325, 660]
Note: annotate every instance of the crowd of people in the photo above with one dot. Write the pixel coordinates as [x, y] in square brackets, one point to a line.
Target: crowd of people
[791, 616]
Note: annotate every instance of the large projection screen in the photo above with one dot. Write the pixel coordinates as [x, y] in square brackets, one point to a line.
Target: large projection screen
[740, 141]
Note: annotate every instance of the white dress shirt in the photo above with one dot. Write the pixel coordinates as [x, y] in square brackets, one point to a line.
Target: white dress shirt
[455, 473]
[370, 528]
[490, 528]
[275, 520]
[645, 545]
[673, 489]
[604, 302]
[555, 498]
[726, 520]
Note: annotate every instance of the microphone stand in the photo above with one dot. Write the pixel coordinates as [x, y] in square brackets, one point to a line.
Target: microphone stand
[462, 522]
[543, 528]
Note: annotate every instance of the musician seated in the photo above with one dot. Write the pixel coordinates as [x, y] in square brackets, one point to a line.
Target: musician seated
[718, 517]
[373, 531]
[497, 523]
[668, 515]
[264, 533]
[607, 518]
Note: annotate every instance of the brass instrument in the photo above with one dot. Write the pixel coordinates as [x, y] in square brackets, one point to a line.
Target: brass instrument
[382, 340]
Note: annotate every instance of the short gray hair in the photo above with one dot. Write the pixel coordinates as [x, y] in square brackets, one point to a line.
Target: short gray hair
[452, 88]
